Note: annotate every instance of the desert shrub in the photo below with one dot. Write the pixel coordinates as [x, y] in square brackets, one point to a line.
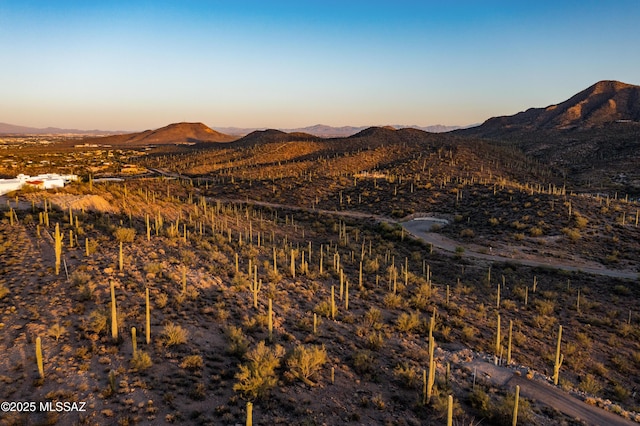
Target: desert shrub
[3, 291]
[422, 295]
[79, 278]
[305, 362]
[468, 332]
[621, 290]
[571, 233]
[518, 236]
[544, 307]
[174, 334]
[86, 291]
[257, 376]
[371, 265]
[518, 225]
[494, 221]
[323, 308]
[480, 400]
[409, 377]
[364, 362]
[408, 322]
[97, 321]
[374, 340]
[153, 268]
[56, 331]
[580, 221]
[141, 361]
[440, 404]
[543, 322]
[502, 411]
[124, 235]
[467, 233]
[536, 231]
[192, 362]
[508, 304]
[590, 385]
[161, 300]
[238, 343]
[373, 318]
[198, 392]
[392, 301]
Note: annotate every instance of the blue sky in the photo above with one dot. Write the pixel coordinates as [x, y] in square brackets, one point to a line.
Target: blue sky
[134, 65]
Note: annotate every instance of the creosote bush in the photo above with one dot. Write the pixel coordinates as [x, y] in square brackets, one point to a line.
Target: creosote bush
[141, 361]
[408, 322]
[258, 376]
[238, 343]
[124, 235]
[174, 334]
[192, 362]
[305, 362]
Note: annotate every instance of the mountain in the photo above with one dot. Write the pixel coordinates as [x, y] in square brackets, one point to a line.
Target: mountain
[12, 129]
[603, 103]
[177, 133]
[324, 131]
[272, 135]
[593, 137]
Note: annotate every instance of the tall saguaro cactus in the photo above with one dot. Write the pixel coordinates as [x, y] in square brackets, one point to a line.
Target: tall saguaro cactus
[509, 342]
[39, 357]
[114, 313]
[514, 421]
[432, 370]
[148, 317]
[559, 358]
[58, 248]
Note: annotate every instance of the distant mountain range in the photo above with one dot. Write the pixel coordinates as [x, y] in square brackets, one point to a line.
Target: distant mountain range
[325, 131]
[12, 129]
[320, 130]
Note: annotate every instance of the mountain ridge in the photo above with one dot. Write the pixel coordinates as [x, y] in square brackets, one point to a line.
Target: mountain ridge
[604, 102]
[13, 129]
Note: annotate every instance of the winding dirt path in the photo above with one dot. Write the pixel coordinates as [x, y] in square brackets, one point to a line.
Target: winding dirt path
[419, 228]
[547, 394]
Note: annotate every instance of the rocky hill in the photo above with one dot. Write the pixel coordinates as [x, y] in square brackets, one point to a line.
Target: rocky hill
[593, 136]
[176, 133]
[603, 103]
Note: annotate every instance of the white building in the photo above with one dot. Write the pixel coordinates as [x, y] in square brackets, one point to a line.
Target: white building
[46, 181]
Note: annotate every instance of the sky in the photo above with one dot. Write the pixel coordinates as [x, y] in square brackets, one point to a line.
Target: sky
[135, 65]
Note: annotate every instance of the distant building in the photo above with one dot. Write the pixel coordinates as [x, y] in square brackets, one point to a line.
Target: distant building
[46, 181]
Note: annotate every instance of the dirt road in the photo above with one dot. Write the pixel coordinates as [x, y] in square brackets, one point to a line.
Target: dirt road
[545, 393]
[419, 228]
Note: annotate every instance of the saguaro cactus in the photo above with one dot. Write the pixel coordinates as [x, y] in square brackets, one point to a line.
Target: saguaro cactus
[559, 358]
[333, 302]
[148, 317]
[134, 341]
[270, 320]
[58, 248]
[498, 338]
[114, 313]
[255, 287]
[121, 258]
[39, 357]
[509, 342]
[514, 422]
[432, 369]
[249, 421]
